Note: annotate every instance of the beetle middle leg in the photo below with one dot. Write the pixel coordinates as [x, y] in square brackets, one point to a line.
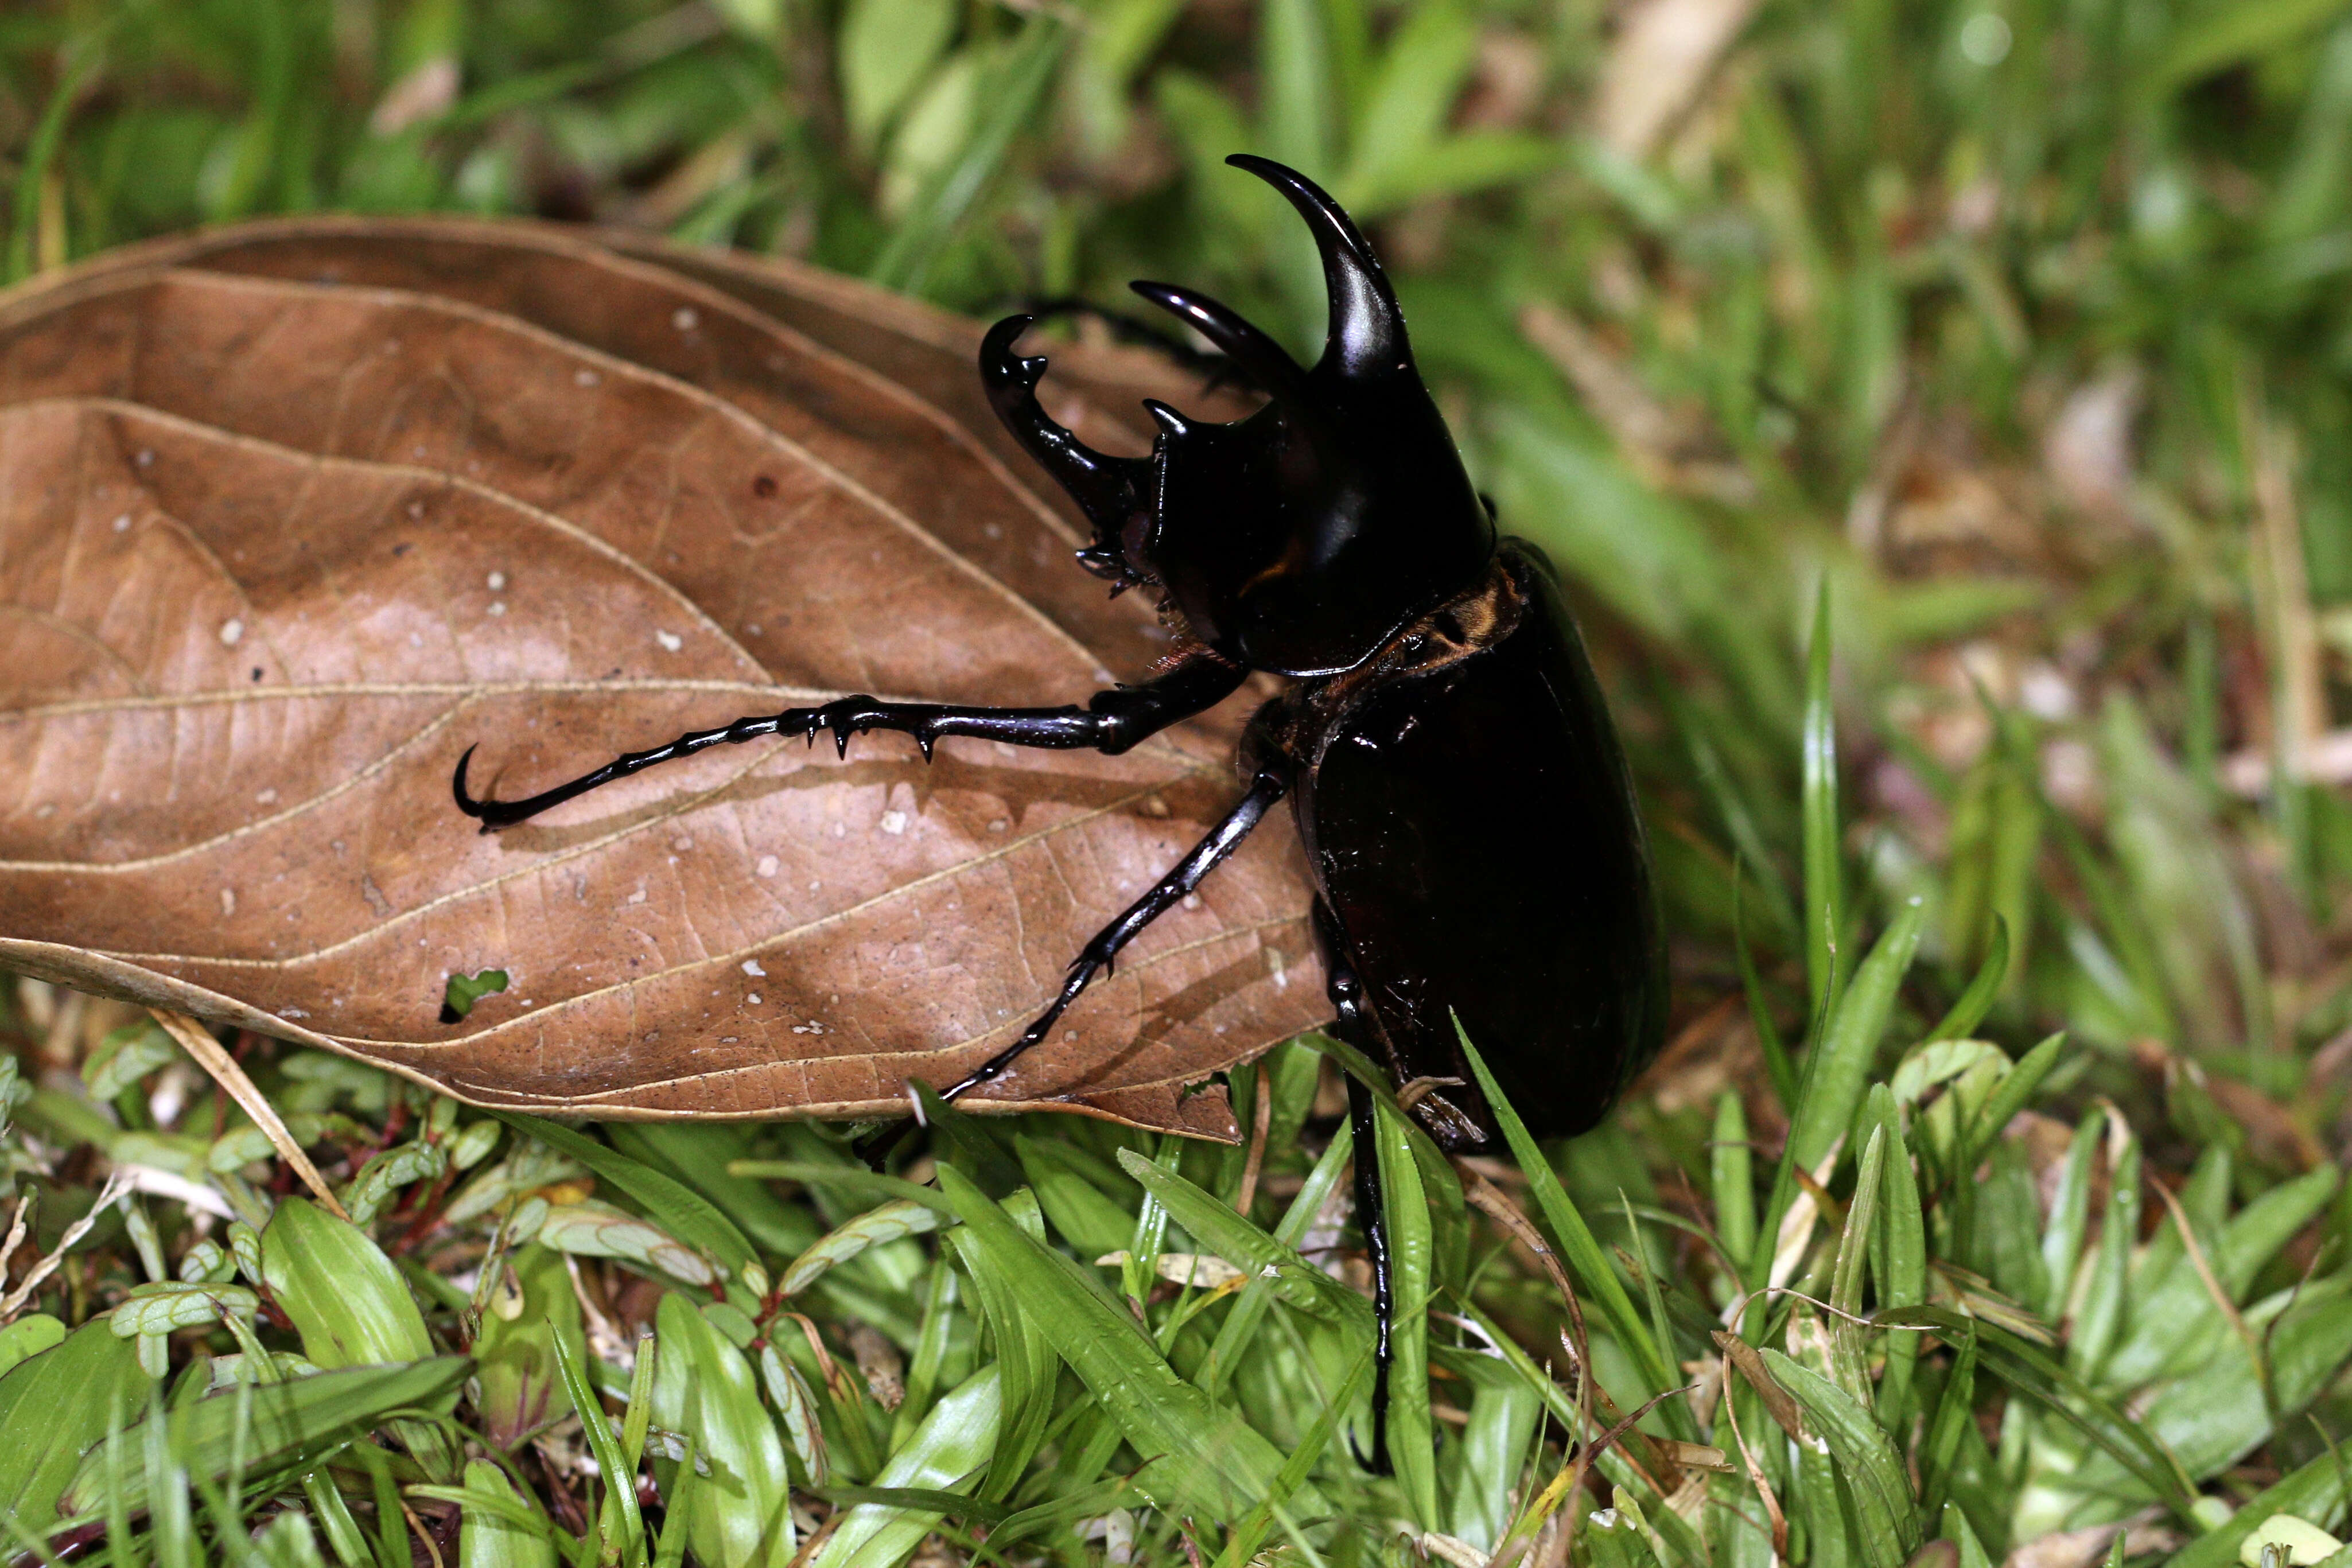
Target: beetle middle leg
[1095, 957]
[1271, 784]
[1112, 721]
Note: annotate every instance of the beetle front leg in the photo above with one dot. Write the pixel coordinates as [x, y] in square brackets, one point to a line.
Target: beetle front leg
[1112, 721]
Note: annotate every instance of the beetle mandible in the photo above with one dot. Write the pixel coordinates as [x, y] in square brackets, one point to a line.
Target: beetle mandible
[1466, 812]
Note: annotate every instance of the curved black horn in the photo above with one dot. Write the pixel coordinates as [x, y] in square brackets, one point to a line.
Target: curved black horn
[1109, 489]
[1366, 332]
[1266, 362]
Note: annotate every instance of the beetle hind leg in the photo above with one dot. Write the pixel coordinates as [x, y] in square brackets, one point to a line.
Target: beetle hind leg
[1372, 1212]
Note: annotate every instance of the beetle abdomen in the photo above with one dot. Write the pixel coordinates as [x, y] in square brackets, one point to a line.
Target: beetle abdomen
[1474, 830]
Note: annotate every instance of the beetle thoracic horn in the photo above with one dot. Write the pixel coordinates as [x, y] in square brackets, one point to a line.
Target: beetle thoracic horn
[1266, 362]
[1366, 330]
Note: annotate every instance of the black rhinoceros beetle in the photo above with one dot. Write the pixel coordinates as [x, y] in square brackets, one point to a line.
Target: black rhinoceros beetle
[1466, 812]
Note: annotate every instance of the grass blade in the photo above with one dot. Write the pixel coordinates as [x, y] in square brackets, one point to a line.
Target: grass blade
[1412, 1445]
[1825, 872]
[1580, 1250]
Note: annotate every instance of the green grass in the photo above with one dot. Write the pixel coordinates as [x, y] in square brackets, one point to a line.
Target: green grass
[2007, 343]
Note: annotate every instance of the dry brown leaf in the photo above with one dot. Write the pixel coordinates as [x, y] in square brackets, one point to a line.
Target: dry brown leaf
[290, 515]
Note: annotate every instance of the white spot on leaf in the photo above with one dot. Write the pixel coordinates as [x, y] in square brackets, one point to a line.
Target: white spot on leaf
[751, 967]
[670, 641]
[894, 821]
[684, 319]
[767, 866]
[232, 632]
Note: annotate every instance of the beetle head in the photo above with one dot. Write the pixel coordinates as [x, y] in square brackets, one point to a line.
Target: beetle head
[1298, 538]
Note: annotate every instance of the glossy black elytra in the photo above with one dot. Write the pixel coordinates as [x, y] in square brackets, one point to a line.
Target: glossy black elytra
[1456, 778]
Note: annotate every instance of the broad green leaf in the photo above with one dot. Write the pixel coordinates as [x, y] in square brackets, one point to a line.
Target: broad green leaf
[173, 1304]
[698, 1155]
[1081, 1211]
[2219, 1411]
[1288, 1276]
[285, 1424]
[28, 1336]
[1903, 1270]
[2030, 1372]
[885, 47]
[1886, 1516]
[520, 1386]
[1837, 1069]
[344, 1296]
[2007, 1099]
[2175, 1323]
[591, 1229]
[380, 1179]
[488, 1537]
[947, 1453]
[124, 1056]
[2316, 1493]
[1008, 93]
[704, 1387]
[670, 1203]
[1503, 1415]
[893, 1221]
[1195, 1456]
[1242, 1545]
[64, 1394]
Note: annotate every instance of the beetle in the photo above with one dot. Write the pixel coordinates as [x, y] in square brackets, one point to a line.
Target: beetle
[1469, 820]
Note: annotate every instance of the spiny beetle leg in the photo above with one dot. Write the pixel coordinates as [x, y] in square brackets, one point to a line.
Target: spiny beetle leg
[1112, 721]
[1095, 956]
[1372, 1212]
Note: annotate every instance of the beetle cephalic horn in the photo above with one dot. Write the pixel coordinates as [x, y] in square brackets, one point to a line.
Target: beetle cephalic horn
[1266, 362]
[1366, 330]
